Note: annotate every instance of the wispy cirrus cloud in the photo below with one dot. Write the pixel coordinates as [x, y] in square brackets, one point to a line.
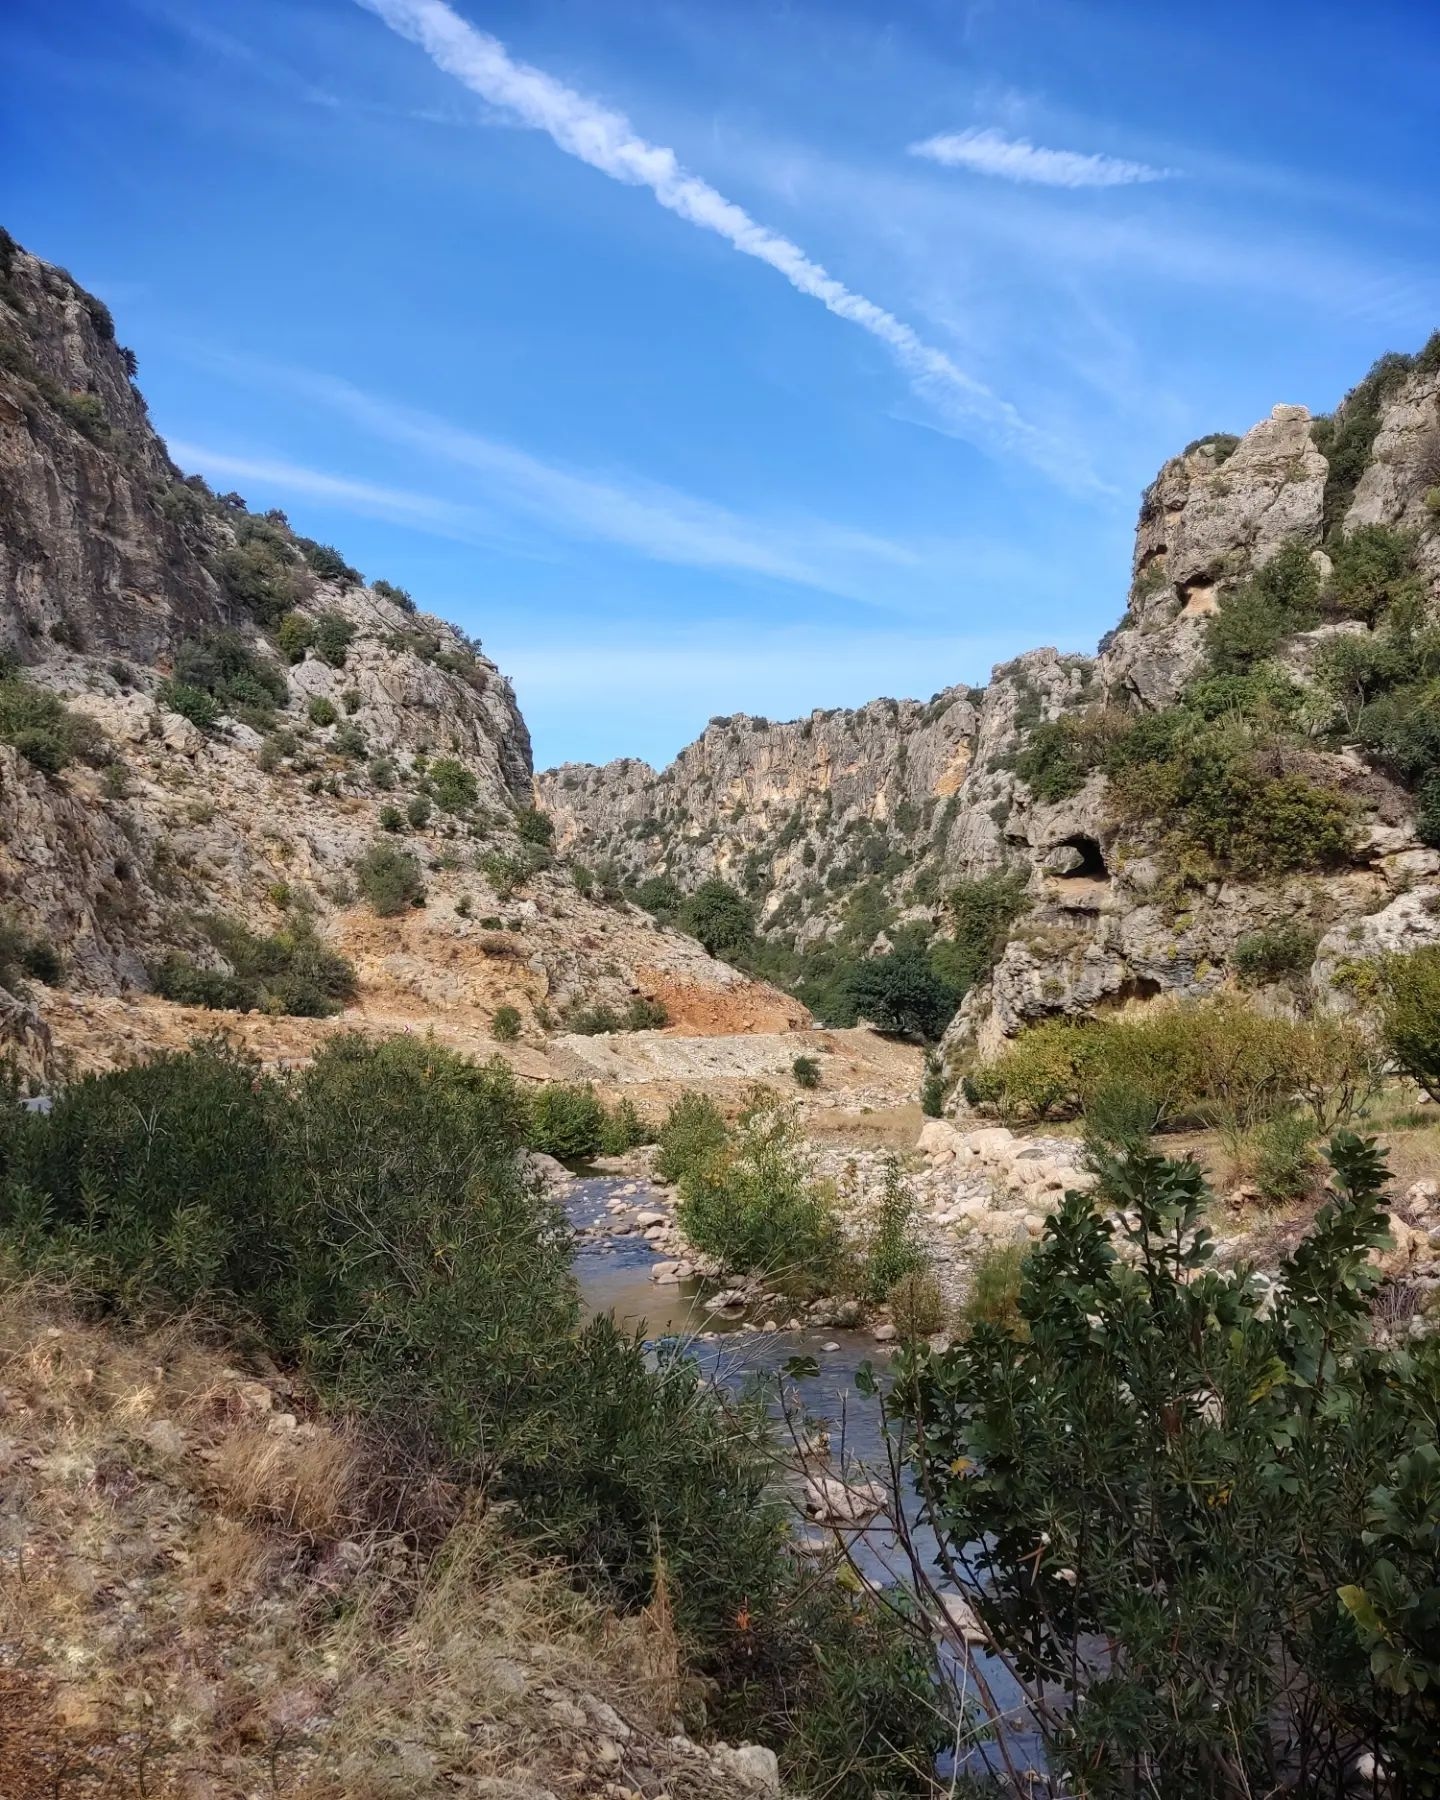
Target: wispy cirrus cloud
[502, 484]
[607, 141]
[990, 152]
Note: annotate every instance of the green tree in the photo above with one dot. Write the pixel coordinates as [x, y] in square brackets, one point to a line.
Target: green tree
[900, 992]
[720, 917]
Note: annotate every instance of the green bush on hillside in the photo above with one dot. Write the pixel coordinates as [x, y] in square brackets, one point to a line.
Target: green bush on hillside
[390, 879]
[292, 972]
[901, 992]
[24, 954]
[46, 732]
[1410, 1014]
[567, 1122]
[720, 917]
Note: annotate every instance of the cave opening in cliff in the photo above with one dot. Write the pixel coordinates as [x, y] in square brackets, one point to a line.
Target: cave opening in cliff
[1087, 863]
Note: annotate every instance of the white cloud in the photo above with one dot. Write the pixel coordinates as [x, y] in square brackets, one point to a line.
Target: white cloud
[607, 141]
[990, 152]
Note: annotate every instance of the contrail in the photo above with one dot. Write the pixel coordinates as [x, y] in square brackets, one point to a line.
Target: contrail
[607, 141]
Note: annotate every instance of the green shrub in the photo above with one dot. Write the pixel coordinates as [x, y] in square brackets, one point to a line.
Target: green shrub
[350, 741]
[1225, 1485]
[292, 973]
[660, 896]
[391, 818]
[322, 711]
[892, 1247]
[566, 1122]
[1276, 953]
[382, 772]
[625, 1129]
[1346, 438]
[932, 1089]
[694, 1130]
[452, 785]
[397, 596]
[261, 573]
[1280, 1157]
[981, 914]
[535, 827]
[417, 811]
[43, 729]
[1202, 1062]
[992, 1298]
[1410, 1014]
[389, 878]
[295, 635]
[328, 563]
[1279, 599]
[755, 1205]
[806, 1070]
[334, 635]
[192, 703]
[506, 874]
[505, 1023]
[917, 1305]
[24, 954]
[1373, 570]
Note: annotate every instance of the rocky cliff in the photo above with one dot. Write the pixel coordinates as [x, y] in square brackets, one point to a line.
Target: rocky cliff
[204, 714]
[846, 827]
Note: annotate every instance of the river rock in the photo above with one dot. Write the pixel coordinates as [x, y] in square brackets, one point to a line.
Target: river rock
[836, 1502]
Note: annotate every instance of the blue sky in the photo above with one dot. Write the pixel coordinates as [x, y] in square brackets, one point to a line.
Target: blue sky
[728, 357]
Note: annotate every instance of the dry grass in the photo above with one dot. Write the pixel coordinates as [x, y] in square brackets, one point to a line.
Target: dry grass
[191, 1601]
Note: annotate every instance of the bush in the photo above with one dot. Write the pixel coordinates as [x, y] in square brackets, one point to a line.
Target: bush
[292, 973]
[452, 785]
[566, 1122]
[719, 916]
[694, 1130]
[1276, 953]
[328, 563]
[993, 1296]
[295, 635]
[389, 878]
[1373, 570]
[505, 1024]
[660, 896]
[23, 954]
[755, 1205]
[1278, 600]
[44, 730]
[900, 992]
[892, 1248]
[333, 638]
[981, 914]
[322, 711]
[1280, 1157]
[932, 1089]
[1410, 1014]
[417, 811]
[1204, 1062]
[806, 1070]
[261, 573]
[1113, 1479]
[916, 1305]
[625, 1129]
[535, 827]
[192, 703]
[397, 596]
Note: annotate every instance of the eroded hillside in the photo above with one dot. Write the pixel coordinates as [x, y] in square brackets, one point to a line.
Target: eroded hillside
[208, 720]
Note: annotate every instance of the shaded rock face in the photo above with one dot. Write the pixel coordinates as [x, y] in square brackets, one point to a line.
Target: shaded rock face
[110, 563]
[904, 799]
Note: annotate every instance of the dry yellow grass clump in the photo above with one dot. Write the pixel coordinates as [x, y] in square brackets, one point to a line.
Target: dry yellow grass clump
[209, 1590]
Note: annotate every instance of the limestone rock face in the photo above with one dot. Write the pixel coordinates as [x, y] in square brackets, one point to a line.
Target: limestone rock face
[847, 825]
